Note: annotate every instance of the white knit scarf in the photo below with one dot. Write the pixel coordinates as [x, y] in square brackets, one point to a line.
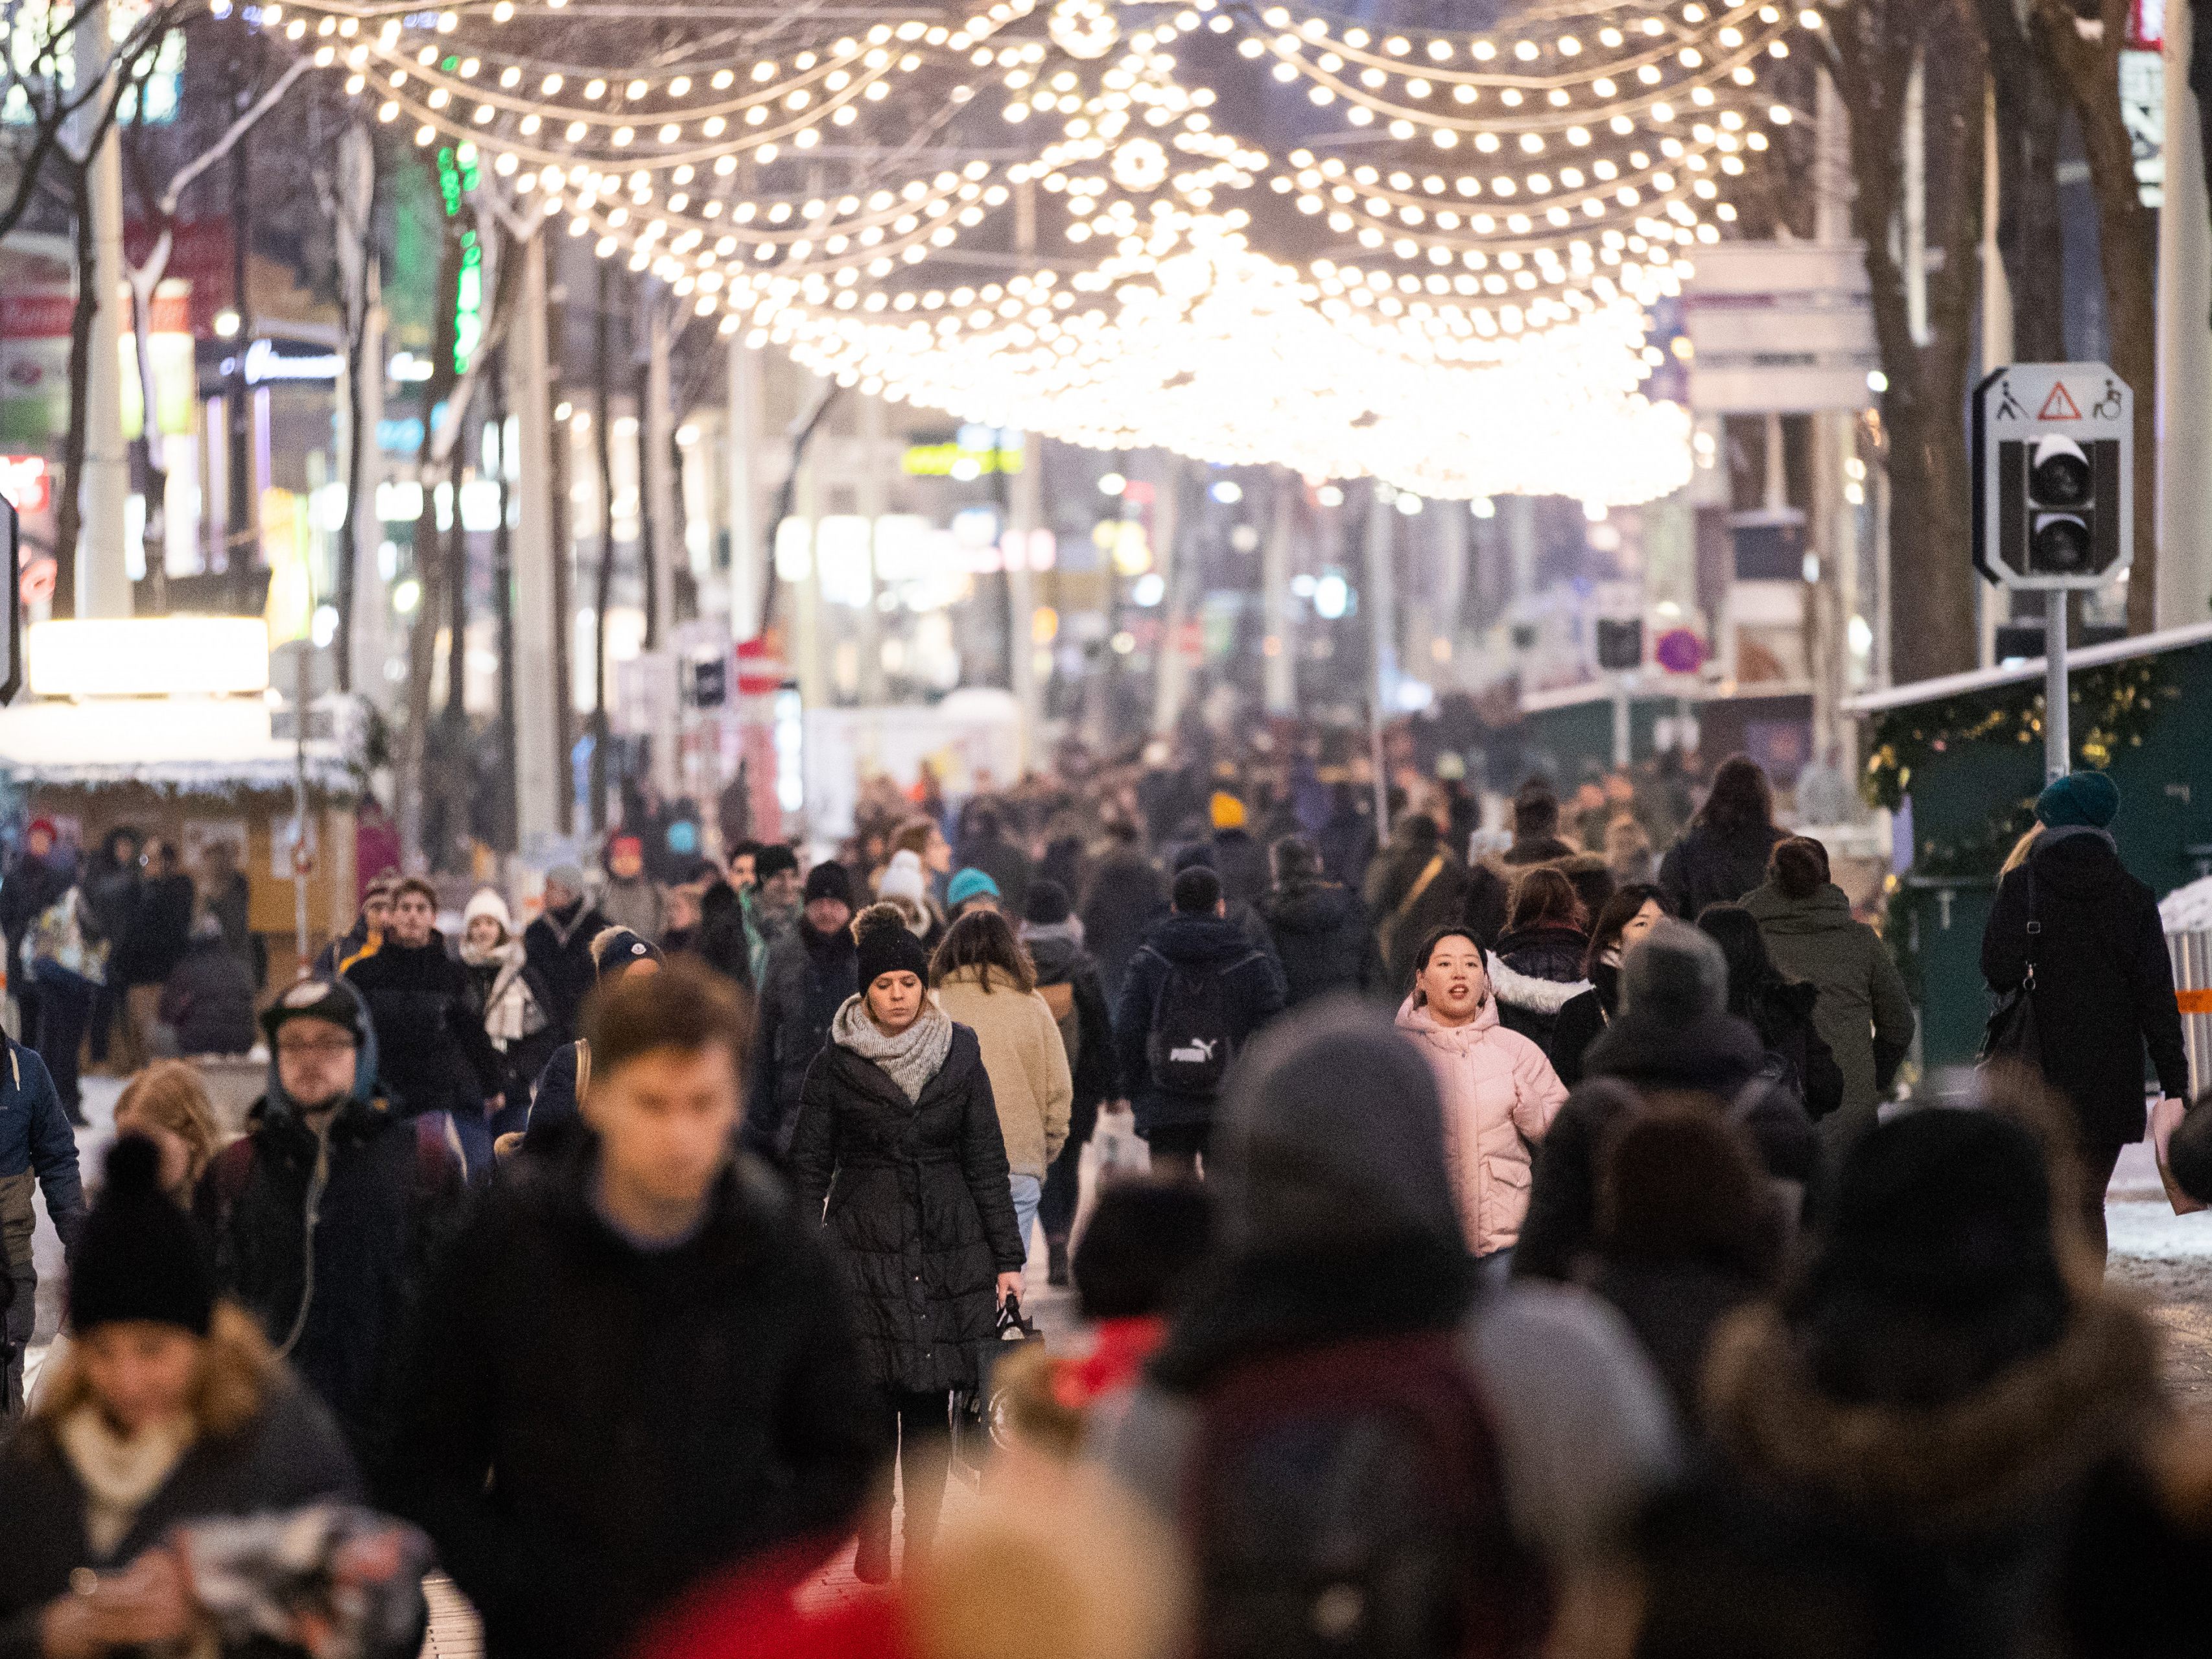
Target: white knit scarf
[909, 1058]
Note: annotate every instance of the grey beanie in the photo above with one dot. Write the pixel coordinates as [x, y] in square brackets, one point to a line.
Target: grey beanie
[1333, 1136]
[1675, 973]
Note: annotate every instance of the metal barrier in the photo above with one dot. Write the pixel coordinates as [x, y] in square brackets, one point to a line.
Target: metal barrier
[2192, 987]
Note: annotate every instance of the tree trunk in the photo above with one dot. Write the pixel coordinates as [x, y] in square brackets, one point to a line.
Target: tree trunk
[429, 565]
[2028, 228]
[69, 515]
[2089, 71]
[1873, 48]
[603, 436]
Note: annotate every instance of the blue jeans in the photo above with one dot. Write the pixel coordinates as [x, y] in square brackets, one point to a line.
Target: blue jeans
[1028, 1191]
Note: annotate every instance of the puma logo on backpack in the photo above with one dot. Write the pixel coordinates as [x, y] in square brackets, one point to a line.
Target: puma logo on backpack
[1188, 1049]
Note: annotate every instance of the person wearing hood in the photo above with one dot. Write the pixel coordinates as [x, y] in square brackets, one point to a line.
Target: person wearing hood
[1195, 994]
[167, 1409]
[1339, 1251]
[634, 1367]
[1122, 899]
[207, 1001]
[898, 1149]
[509, 999]
[1323, 935]
[1724, 855]
[984, 979]
[2101, 977]
[808, 978]
[1623, 920]
[631, 898]
[557, 1101]
[1672, 1042]
[558, 944]
[1415, 885]
[1068, 980]
[1536, 965]
[327, 1213]
[1863, 1013]
[1499, 1093]
[1908, 1443]
[438, 1056]
[1780, 1010]
[37, 1150]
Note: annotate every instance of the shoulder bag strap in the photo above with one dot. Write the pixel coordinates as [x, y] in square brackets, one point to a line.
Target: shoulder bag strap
[2034, 925]
[1414, 895]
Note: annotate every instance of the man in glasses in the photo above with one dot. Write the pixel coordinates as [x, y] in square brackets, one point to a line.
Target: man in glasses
[327, 1213]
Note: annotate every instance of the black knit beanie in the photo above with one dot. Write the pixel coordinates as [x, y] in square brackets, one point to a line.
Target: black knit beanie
[887, 945]
[138, 1258]
[830, 879]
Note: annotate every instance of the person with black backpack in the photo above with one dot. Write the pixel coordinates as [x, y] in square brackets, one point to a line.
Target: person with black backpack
[1197, 993]
[1366, 1457]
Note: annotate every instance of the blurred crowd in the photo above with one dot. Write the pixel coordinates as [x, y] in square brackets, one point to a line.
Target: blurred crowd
[1544, 1249]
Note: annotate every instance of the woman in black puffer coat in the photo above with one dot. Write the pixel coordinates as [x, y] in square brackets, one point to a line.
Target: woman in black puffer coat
[1537, 963]
[1780, 1010]
[898, 1133]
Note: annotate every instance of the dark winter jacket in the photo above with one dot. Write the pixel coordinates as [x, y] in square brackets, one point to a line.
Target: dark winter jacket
[1849, 1529]
[31, 888]
[559, 945]
[1347, 842]
[389, 1196]
[590, 1428]
[1674, 1307]
[1413, 887]
[1539, 970]
[1004, 862]
[1125, 898]
[2104, 983]
[111, 891]
[555, 1112]
[1712, 866]
[1583, 1020]
[38, 1149]
[722, 944]
[208, 1000]
[1061, 959]
[1527, 854]
[1863, 1014]
[159, 933]
[1483, 909]
[1252, 991]
[1717, 1058]
[436, 1057]
[1242, 863]
[920, 1217]
[1325, 941]
[289, 1455]
[524, 1057]
[1782, 1012]
[806, 982]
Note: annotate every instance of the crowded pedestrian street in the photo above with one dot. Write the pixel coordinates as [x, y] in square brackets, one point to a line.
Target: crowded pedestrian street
[1106, 829]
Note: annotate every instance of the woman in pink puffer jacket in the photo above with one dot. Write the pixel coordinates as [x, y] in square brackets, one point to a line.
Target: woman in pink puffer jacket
[1500, 1091]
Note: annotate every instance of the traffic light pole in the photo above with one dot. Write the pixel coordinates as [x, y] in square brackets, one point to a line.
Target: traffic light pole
[2058, 745]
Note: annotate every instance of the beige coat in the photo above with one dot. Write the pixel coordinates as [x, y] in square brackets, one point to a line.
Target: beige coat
[1025, 1060]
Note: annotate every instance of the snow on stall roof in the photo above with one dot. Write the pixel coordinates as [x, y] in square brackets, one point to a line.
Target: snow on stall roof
[2188, 909]
[1984, 679]
[179, 746]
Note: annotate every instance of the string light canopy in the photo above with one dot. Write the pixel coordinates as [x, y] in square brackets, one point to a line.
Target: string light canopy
[1245, 231]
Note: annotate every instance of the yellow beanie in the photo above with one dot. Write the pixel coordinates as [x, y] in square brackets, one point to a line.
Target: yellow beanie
[1228, 810]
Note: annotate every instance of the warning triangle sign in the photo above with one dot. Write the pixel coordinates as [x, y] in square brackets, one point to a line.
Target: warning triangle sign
[2059, 405]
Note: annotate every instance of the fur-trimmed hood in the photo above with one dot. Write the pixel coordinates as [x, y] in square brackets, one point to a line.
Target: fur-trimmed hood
[1541, 996]
[1938, 1470]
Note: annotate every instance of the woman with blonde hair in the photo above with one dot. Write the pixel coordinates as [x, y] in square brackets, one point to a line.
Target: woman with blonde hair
[168, 1408]
[168, 1105]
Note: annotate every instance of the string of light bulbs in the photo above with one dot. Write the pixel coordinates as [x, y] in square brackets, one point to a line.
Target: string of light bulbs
[1464, 334]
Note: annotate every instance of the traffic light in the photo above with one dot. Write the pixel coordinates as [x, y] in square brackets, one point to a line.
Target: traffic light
[1620, 645]
[2052, 459]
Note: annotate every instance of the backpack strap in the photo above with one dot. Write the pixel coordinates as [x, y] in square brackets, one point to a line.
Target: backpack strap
[1433, 869]
[583, 1070]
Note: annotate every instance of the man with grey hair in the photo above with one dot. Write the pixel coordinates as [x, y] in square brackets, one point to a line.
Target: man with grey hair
[1673, 1043]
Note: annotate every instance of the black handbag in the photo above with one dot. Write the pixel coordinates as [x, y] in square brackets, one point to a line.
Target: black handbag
[979, 1415]
[2011, 1035]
